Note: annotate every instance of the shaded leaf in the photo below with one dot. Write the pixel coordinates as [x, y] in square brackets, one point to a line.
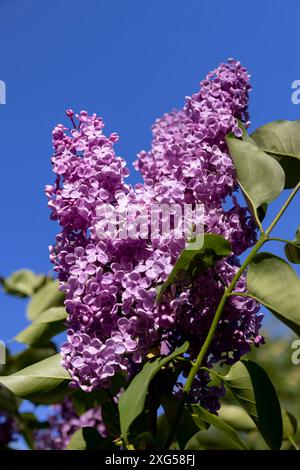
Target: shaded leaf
[30, 356]
[276, 285]
[85, 401]
[8, 401]
[85, 439]
[28, 425]
[203, 253]
[132, 401]
[186, 427]
[144, 441]
[292, 249]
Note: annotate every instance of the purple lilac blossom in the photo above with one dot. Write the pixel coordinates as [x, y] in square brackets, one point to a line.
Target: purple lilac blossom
[110, 284]
[64, 422]
[8, 428]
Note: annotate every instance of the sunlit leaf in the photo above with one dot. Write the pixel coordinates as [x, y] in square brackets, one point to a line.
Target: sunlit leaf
[260, 176]
[236, 417]
[45, 381]
[252, 387]
[290, 425]
[46, 297]
[204, 415]
[276, 285]
[23, 283]
[281, 139]
[46, 325]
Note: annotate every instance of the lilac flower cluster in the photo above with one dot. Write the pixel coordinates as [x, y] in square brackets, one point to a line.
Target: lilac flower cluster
[8, 429]
[64, 421]
[110, 284]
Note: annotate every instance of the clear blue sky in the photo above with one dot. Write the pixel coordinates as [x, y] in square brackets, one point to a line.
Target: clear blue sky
[129, 61]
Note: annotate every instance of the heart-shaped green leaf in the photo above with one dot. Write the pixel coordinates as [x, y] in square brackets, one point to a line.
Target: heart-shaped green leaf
[281, 139]
[260, 176]
[276, 285]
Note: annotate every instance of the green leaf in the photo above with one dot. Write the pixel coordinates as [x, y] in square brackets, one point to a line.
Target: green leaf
[186, 427]
[32, 421]
[260, 177]
[289, 425]
[254, 390]
[198, 412]
[203, 253]
[132, 401]
[281, 139]
[292, 252]
[44, 382]
[83, 401]
[46, 297]
[292, 249]
[23, 283]
[276, 285]
[144, 441]
[29, 356]
[45, 326]
[110, 418]
[86, 438]
[8, 401]
[236, 417]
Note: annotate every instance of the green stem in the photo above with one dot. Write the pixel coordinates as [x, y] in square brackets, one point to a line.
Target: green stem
[293, 443]
[227, 292]
[276, 239]
[260, 227]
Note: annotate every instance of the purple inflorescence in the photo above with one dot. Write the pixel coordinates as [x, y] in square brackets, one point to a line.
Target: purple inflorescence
[8, 428]
[64, 422]
[110, 283]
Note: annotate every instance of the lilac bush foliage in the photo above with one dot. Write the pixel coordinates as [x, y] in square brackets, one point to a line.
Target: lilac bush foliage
[64, 422]
[110, 284]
